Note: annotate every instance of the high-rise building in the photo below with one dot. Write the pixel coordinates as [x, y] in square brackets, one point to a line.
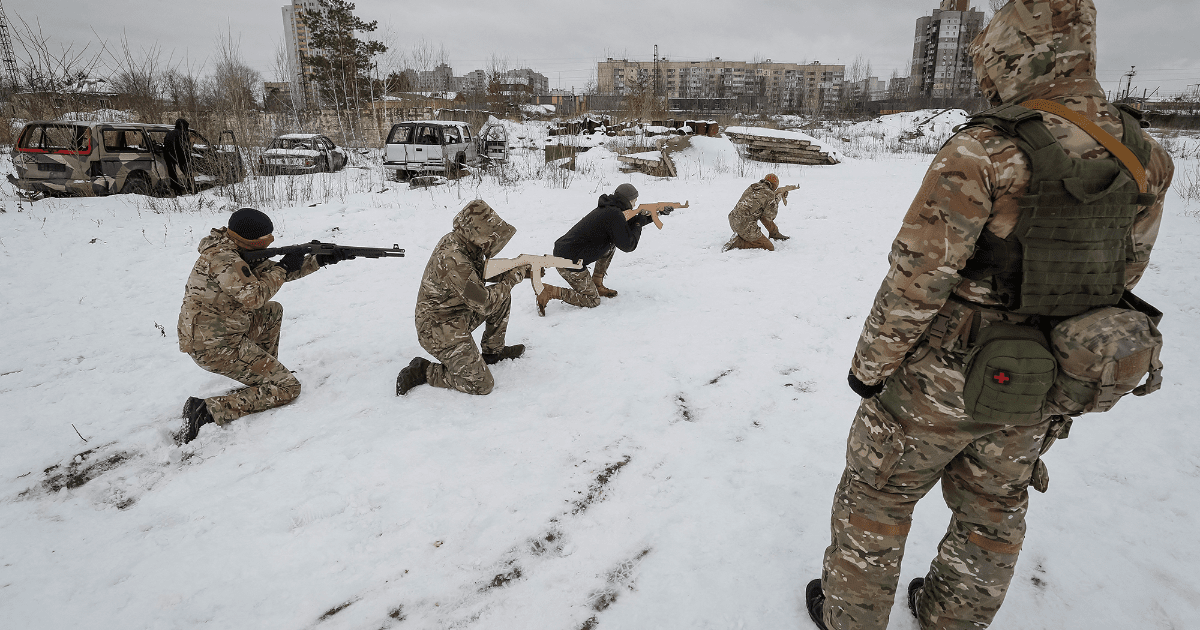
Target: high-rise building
[297, 36]
[788, 85]
[941, 67]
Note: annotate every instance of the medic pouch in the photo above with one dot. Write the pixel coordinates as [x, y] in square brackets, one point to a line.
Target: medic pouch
[1010, 370]
[1104, 354]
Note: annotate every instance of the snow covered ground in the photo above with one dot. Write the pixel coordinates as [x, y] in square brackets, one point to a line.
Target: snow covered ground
[664, 461]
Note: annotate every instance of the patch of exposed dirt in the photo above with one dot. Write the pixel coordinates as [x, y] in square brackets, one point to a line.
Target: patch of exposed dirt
[596, 490]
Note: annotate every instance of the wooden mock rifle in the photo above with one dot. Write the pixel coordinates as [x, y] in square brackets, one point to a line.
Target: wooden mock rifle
[496, 266]
[783, 191]
[662, 207]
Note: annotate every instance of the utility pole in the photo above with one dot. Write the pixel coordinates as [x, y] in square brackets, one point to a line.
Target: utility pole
[1128, 78]
[6, 51]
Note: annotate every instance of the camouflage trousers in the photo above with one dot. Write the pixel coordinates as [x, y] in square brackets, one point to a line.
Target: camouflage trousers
[901, 444]
[744, 226]
[251, 362]
[583, 291]
[461, 364]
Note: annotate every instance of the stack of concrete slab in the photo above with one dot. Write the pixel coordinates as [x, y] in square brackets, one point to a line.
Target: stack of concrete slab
[778, 146]
[656, 163]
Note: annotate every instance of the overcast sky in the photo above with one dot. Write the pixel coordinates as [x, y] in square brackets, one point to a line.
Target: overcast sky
[564, 40]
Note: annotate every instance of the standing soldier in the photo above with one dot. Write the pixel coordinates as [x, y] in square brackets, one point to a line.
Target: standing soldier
[962, 272]
[177, 152]
[453, 302]
[614, 224]
[758, 203]
[228, 325]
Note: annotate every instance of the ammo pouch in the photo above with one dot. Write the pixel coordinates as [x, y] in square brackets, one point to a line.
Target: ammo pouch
[1104, 354]
[1010, 370]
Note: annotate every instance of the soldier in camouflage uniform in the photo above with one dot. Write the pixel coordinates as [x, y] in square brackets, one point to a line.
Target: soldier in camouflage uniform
[911, 430]
[229, 326]
[758, 203]
[454, 301]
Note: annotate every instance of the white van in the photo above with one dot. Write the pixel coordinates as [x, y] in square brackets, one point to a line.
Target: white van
[436, 146]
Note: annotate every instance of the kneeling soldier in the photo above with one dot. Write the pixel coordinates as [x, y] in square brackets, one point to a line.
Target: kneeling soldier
[453, 302]
[228, 325]
[614, 224]
[758, 203]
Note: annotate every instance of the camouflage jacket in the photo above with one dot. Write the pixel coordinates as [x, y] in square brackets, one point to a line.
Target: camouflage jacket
[757, 202]
[978, 177]
[224, 291]
[453, 285]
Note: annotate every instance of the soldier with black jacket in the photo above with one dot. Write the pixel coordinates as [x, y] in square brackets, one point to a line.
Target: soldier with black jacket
[614, 224]
[177, 151]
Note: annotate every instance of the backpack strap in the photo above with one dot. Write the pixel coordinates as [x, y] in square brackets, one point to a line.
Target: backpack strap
[1114, 146]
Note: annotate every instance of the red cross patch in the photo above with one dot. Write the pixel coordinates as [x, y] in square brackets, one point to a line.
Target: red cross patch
[1001, 377]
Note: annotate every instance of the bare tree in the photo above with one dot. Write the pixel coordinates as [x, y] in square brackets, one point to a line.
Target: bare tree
[234, 84]
[48, 70]
[138, 76]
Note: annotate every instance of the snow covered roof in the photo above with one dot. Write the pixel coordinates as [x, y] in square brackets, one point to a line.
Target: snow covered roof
[299, 136]
[99, 87]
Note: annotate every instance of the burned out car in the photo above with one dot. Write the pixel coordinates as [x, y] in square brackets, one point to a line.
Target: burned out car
[295, 153]
[424, 147]
[72, 158]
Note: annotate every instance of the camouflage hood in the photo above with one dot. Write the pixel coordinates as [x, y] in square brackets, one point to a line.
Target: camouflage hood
[1038, 49]
[478, 225]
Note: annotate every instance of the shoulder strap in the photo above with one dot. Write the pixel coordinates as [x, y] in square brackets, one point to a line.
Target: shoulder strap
[1114, 146]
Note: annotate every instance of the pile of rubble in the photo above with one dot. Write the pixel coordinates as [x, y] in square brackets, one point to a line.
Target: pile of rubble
[776, 146]
[656, 163]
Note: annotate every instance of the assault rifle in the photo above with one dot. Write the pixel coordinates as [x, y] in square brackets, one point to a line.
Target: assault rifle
[496, 266]
[783, 191]
[659, 208]
[317, 248]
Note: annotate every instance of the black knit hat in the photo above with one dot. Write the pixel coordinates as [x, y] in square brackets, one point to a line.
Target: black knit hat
[626, 193]
[250, 224]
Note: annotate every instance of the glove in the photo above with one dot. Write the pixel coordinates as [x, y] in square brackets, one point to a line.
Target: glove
[291, 262]
[514, 276]
[862, 389]
[336, 257]
[641, 220]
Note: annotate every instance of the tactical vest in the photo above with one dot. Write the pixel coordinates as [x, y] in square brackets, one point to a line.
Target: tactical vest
[1067, 254]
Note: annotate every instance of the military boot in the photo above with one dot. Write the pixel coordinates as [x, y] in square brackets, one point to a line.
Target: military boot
[507, 352]
[412, 375]
[914, 594]
[549, 292]
[191, 404]
[814, 600]
[601, 289]
[197, 417]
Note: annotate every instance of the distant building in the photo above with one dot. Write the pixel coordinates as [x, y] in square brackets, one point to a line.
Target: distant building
[296, 33]
[869, 89]
[440, 79]
[786, 85]
[941, 67]
[296, 37]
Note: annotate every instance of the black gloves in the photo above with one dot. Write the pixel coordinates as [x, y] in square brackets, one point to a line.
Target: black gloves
[291, 262]
[862, 389]
[336, 257]
[641, 220]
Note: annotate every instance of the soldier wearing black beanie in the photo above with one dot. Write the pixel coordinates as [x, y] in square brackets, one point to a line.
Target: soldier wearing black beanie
[229, 325]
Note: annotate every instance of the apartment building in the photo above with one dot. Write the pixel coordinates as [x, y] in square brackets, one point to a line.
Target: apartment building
[941, 67]
[296, 34]
[785, 85]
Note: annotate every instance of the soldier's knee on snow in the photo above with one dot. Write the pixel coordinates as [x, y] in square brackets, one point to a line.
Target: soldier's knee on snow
[484, 386]
[289, 390]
